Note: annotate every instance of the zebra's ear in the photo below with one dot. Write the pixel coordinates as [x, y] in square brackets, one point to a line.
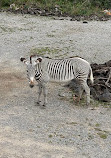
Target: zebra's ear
[39, 59]
[23, 60]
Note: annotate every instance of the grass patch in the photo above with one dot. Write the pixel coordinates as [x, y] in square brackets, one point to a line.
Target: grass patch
[97, 125]
[50, 136]
[102, 135]
[97, 103]
[44, 51]
[97, 129]
[50, 36]
[3, 29]
[6, 29]
[71, 123]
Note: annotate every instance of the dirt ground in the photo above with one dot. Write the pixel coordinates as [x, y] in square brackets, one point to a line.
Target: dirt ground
[62, 129]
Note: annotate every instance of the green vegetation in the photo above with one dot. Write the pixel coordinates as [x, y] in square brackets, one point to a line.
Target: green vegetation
[70, 7]
[97, 125]
[6, 29]
[43, 51]
[102, 135]
[50, 136]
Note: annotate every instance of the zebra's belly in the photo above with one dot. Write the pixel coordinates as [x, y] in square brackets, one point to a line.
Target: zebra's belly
[60, 80]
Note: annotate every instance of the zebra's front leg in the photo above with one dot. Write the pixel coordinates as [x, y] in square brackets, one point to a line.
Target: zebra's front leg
[45, 94]
[40, 92]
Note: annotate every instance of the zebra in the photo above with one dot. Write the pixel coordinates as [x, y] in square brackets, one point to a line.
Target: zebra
[44, 69]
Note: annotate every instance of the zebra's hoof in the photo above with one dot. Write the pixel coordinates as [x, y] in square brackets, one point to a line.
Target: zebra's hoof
[43, 106]
[37, 103]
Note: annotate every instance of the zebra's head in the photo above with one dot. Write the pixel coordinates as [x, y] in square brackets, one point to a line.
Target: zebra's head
[30, 70]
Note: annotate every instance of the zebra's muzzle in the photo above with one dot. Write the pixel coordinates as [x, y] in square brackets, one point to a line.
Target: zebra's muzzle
[31, 84]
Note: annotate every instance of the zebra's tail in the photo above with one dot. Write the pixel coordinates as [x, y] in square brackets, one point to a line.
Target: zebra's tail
[91, 76]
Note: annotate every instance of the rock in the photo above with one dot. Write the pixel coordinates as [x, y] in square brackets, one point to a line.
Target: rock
[106, 96]
[85, 22]
[59, 18]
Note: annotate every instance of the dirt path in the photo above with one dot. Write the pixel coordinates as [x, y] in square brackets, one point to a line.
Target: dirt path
[62, 129]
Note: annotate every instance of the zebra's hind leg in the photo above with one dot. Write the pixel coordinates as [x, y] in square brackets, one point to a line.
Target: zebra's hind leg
[80, 92]
[39, 95]
[87, 91]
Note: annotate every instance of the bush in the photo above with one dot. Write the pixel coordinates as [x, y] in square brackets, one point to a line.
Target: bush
[4, 3]
[72, 7]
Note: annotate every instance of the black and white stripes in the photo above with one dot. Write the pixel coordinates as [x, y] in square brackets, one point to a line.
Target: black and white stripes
[60, 70]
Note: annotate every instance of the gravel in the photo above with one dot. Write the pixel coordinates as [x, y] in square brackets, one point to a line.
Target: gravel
[62, 129]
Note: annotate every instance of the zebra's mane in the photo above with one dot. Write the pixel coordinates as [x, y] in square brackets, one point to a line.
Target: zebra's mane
[63, 58]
